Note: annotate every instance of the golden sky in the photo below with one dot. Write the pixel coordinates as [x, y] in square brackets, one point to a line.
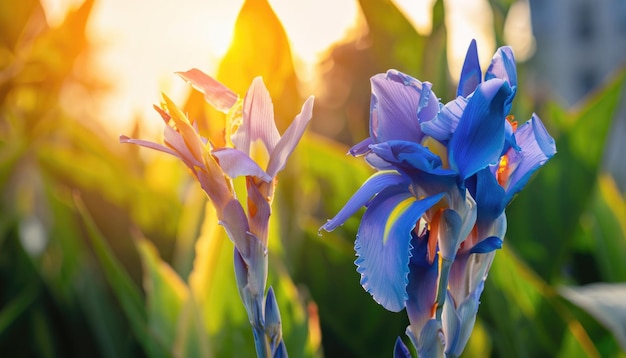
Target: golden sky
[142, 43]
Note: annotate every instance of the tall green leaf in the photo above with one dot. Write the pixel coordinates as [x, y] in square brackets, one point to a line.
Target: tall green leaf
[545, 216]
[165, 296]
[123, 287]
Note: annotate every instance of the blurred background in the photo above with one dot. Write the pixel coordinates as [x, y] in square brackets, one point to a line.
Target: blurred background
[108, 250]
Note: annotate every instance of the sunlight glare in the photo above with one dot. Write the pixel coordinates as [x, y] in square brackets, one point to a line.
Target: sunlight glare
[141, 53]
[518, 32]
[467, 20]
[419, 13]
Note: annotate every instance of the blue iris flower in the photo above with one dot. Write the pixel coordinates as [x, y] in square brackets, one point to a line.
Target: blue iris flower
[435, 207]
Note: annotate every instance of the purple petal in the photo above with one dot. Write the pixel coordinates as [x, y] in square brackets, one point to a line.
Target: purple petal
[394, 108]
[487, 245]
[489, 196]
[410, 155]
[215, 93]
[479, 137]
[444, 124]
[537, 147]
[362, 147]
[235, 222]
[147, 144]
[428, 102]
[382, 244]
[422, 286]
[503, 66]
[375, 184]
[259, 210]
[258, 119]
[467, 312]
[236, 163]
[470, 74]
[289, 140]
[400, 350]
[175, 140]
[447, 234]
[429, 343]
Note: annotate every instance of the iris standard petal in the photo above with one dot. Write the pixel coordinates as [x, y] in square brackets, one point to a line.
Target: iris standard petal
[479, 138]
[470, 74]
[374, 185]
[382, 244]
[428, 103]
[215, 93]
[393, 109]
[537, 147]
[236, 163]
[289, 140]
[503, 66]
[444, 124]
[258, 119]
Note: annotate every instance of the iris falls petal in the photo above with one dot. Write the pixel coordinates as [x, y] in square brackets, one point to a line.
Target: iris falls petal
[383, 244]
[375, 184]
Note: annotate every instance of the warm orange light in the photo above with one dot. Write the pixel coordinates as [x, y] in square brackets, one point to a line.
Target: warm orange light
[502, 174]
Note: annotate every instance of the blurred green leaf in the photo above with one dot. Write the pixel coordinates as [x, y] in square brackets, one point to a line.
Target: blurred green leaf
[191, 338]
[606, 302]
[165, 296]
[519, 307]
[20, 303]
[604, 228]
[545, 216]
[212, 283]
[123, 287]
[394, 41]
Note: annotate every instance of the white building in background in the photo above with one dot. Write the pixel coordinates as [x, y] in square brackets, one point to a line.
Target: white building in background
[580, 45]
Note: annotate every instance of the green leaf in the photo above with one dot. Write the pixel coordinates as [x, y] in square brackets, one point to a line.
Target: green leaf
[123, 287]
[213, 286]
[165, 295]
[604, 228]
[395, 42]
[606, 302]
[191, 338]
[18, 305]
[519, 307]
[545, 215]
